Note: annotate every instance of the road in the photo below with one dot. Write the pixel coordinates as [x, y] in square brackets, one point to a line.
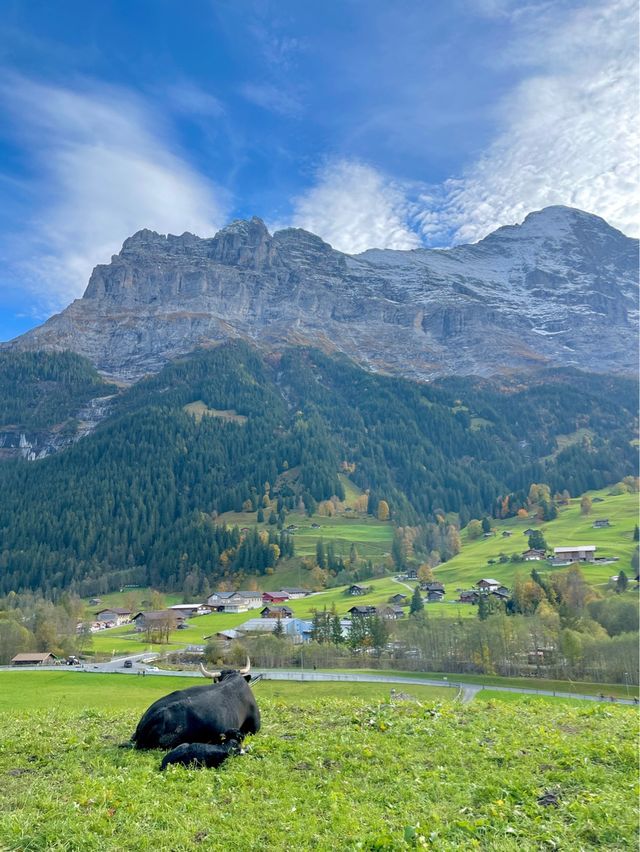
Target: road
[467, 691]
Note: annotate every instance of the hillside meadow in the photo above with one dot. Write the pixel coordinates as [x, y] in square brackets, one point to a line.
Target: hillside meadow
[330, 769]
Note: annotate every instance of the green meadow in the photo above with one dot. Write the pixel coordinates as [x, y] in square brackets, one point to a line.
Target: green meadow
[332, 767]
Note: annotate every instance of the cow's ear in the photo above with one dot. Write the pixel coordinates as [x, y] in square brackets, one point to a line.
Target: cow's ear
[247, 677]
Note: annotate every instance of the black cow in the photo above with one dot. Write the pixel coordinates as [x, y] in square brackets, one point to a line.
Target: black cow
[200, 714]
[203, 754]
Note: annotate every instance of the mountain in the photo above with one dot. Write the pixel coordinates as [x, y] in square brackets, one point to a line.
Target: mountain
[137, 499]
[558, 290]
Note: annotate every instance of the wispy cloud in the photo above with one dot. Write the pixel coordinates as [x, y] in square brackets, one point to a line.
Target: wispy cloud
[102, 166]
[354, 207]
[568, 134]
[272, 97]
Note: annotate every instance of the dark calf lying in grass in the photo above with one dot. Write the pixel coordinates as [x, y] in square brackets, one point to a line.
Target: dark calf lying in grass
[204, 754]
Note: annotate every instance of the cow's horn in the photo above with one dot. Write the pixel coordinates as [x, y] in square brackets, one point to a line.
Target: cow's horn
[206, 673]
[247, 668]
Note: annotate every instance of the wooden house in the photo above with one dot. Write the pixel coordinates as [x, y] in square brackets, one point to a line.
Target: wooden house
[276, 612]
[357, 589]
[362, 611]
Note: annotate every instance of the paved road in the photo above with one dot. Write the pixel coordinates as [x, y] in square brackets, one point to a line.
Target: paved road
[467, 691]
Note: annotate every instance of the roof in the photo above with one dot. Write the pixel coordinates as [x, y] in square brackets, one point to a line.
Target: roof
[589, 547]
[229, 633]
[276, 609]
[118, 610]
[36, 657]
[294, 591]
[186, 606]
[267, 625]
[489, 580]
[157, 615]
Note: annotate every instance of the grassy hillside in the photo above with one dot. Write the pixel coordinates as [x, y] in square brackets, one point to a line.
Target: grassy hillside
[569, 528]
[325, 768]
[462, 571]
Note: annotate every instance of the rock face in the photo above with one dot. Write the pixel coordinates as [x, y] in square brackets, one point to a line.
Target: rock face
[559, 289]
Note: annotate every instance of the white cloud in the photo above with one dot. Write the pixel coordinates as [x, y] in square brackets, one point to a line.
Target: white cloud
[353, 207]
[568, 133]
[103, 168]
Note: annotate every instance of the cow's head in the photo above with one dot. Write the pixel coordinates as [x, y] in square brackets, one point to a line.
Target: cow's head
[225, 673]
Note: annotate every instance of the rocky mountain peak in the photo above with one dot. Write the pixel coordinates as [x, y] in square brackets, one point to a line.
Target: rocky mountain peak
[558, 289]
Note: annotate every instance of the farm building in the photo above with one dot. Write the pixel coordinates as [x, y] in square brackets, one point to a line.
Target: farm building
[114, 615]
[472, 596]
[157, 618]
[274, 597]
[294, 593]
[29, 659]
[189, 610]
[398, 599]
[295, 628]
[576, 553]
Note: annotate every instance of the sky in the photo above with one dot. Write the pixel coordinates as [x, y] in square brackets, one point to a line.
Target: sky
[371, 123]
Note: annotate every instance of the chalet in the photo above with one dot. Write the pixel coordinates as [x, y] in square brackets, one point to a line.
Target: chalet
[533, 555]
[576, 553]
[398, 599]
[435, 595]
[114, 615]
[29, 659]
[362, 611]
[295, 593]
[390, 612]
[488, 585]
[411, 574]
[602, 522]
[234, 602]
[506, 534]
[471, 597]
[151, 619]
[276, 612]
[274, 597]
[356, 589]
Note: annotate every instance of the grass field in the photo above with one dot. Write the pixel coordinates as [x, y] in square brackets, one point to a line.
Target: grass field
[328, 770]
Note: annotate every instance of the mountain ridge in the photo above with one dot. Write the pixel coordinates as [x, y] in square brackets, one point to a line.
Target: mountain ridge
[559, 289]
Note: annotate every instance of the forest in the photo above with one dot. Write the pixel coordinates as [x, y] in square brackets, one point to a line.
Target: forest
[137, 500]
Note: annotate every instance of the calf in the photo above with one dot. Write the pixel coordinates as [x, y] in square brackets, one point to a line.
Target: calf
[204, 754]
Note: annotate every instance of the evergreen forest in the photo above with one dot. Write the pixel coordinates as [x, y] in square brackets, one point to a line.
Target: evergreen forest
[137, 500]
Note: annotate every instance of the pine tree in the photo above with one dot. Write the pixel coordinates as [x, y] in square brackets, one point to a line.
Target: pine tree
[417, 604]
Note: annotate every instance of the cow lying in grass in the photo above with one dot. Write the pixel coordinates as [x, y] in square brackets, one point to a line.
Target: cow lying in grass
[205, 754]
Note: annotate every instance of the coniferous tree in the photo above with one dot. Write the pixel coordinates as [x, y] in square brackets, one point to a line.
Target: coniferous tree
[417, 604]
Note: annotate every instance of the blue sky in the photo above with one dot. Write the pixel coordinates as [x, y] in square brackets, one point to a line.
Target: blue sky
[391, 124]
